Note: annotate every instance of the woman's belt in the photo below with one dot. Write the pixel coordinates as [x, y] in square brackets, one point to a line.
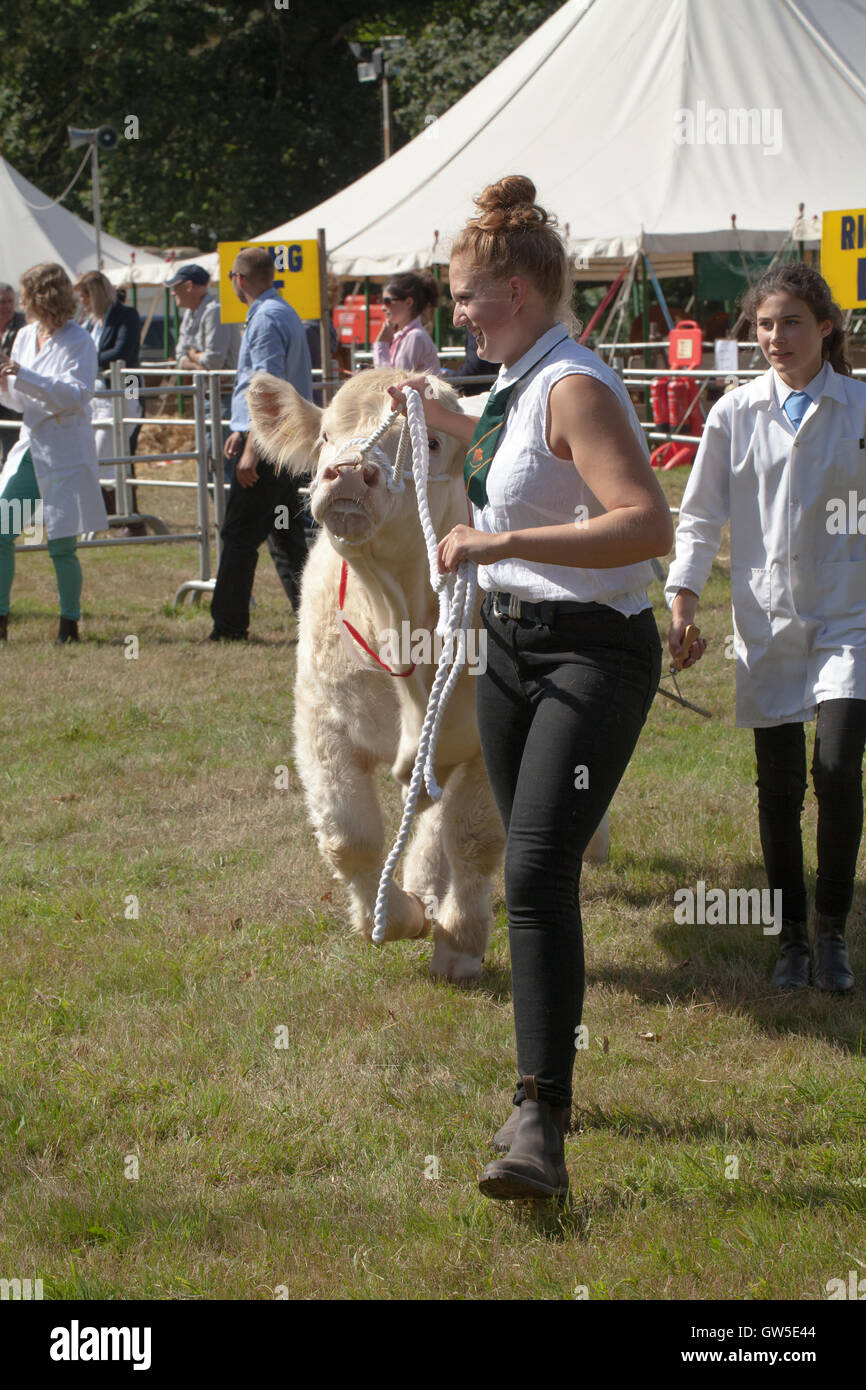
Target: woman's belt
[509, 606]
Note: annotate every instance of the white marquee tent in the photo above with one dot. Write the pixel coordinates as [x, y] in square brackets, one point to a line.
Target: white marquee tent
[653, 118]
[31, 232]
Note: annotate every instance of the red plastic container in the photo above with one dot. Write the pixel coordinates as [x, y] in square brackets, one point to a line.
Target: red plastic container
[350, 320]
[685, 344]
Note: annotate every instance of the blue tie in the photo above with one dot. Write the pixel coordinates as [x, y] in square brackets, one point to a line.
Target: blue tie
[796, 405]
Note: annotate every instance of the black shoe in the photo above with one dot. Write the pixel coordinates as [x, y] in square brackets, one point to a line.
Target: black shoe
[225, 637]
[535, 1163]
[792, 967]
[67, 632]
[4, 626]
[833, 973]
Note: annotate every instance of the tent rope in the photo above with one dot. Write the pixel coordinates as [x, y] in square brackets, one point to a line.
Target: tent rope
[42, 207]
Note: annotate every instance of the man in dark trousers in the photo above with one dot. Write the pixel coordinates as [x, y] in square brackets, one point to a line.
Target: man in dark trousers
[274, 341]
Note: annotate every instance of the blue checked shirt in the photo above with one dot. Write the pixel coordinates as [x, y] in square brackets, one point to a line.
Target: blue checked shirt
[274, 341]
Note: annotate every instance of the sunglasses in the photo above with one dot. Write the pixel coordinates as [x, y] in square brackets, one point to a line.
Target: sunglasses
[236, 275]
[395, 299]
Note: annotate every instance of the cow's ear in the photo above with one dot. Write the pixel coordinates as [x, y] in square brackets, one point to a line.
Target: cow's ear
[284, 427]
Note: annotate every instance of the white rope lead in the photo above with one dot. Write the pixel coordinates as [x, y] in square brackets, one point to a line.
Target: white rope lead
[455, 613]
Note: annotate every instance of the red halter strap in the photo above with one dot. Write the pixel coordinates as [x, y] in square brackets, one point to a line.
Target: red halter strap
[344, 575]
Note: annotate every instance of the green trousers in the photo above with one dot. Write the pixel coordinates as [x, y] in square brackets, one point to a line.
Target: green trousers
[22, 487]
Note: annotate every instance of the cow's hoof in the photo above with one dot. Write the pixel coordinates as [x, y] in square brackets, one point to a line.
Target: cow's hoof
[448, 964]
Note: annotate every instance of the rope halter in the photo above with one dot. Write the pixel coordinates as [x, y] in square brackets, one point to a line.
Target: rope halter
[366, 446]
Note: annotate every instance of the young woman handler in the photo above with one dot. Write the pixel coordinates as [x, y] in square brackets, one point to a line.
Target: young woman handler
[566, 513]
[51, 381]
[782, 458]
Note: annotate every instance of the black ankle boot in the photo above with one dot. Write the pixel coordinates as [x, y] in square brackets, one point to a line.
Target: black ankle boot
[4, 626]
[833, 973]
[535, 1163]
[67, 632]
[792, 967]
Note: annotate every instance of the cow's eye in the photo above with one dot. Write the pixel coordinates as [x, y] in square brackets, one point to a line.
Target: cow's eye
[434, 445]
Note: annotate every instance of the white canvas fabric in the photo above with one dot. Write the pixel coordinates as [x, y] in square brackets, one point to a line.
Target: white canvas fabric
[590, 107]
[30, 234]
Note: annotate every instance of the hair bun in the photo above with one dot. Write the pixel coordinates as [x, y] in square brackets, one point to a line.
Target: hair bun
[510, 205]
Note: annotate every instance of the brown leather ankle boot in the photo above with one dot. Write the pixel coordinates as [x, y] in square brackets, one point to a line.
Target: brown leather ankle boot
[504, 1136]
[535, 1163]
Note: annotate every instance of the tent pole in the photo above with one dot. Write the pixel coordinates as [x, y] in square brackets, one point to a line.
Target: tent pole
[324, 318]
[366, 313]
[644, 295]
[437, 312]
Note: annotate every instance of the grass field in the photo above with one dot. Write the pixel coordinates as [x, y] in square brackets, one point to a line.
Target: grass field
[167, 926]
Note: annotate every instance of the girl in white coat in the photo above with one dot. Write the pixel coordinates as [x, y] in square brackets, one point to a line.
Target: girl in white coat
[51, 381]
[783, 458]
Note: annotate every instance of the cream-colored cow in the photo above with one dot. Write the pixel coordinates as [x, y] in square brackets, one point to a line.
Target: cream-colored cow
[348, 719]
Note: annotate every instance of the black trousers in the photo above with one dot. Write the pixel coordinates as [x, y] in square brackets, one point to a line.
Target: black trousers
[837, 775]
[560, 708]
[252, 516]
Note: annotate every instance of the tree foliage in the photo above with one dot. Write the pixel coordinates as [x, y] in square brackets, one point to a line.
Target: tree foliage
[247, 113]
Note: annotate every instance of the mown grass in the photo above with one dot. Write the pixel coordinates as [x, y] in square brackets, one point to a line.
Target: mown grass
[148, 786]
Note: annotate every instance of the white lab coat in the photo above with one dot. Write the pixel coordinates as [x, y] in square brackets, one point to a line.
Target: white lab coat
[798, 590]
[53, 390]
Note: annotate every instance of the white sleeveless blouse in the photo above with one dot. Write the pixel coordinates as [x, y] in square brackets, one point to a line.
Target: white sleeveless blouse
[528, 486]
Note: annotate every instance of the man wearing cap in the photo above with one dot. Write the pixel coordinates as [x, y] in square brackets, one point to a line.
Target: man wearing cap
[274, 341]
[204, 340]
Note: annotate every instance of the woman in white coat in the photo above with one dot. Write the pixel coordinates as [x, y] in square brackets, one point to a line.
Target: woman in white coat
[783, 458]
[51, 381]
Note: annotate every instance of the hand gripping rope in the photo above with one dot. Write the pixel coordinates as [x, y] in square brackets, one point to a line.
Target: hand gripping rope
[456, 601]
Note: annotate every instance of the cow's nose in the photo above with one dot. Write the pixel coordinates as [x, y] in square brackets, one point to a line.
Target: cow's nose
[369, 471]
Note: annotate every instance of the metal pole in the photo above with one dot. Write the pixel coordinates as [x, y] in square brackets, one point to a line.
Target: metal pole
[201, 473]
[366, 313]
[324, 317]
[216, 430]
[97, 225]
[644, 295]
[437, 312]
[386, 111]
[119, 441]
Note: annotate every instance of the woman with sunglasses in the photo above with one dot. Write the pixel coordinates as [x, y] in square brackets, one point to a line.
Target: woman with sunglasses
[403, 341]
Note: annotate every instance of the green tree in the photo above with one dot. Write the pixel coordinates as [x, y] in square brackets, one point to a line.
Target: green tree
[247, 114]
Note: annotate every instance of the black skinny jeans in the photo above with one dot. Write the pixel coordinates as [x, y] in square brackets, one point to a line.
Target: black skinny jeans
[555, 700]
[837, 775]
[250, 518]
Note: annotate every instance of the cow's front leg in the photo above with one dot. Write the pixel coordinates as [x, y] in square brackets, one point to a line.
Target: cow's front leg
[347, 821]
[473, 840]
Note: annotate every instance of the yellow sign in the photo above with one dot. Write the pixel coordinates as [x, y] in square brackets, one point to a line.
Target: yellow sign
[843, 256]
[296, 277]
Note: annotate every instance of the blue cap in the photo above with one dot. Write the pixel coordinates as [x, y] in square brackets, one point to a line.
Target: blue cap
[195, 273]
